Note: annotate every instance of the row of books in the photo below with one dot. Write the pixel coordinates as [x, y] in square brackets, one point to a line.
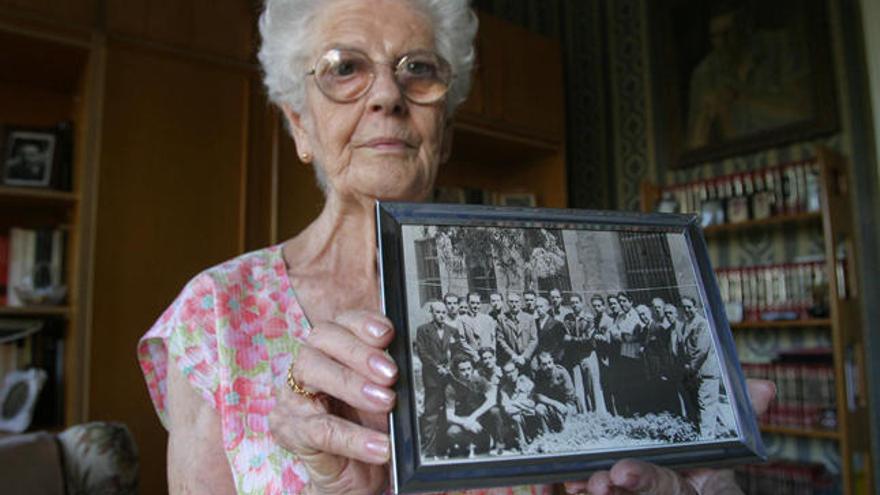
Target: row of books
[805, 393]
[789, 291]
[32, 266]
[475, 196]
[785, 478]
[781, 190]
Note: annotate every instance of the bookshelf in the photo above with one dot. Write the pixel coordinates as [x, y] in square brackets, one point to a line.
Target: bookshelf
[53, 82]
[834, 221]
[781, 324]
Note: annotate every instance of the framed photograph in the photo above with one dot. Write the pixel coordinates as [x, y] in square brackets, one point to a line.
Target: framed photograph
[539, 345]
[737, 76]
[29, 156]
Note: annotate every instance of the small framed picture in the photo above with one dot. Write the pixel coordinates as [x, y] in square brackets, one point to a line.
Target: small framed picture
[540, 345]
[29, 156]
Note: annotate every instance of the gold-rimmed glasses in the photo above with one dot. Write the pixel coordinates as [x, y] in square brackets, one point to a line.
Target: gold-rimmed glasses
[345, 75]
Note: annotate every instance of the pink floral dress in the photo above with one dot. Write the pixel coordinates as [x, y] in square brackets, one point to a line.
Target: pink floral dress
[232, 332]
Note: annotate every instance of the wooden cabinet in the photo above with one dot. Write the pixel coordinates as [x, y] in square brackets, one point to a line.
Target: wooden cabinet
[835, 221]
[518, 88]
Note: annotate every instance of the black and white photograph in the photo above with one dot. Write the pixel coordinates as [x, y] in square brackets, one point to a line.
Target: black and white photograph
[28, 157]
[549, 340]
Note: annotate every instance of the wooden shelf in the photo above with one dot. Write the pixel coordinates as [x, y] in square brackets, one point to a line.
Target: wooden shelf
[21, 195]
[799, 432]
[810, 323]
[35, 311]
[750, 225]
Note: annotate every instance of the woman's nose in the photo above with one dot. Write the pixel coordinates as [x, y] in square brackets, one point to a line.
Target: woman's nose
[386, 95]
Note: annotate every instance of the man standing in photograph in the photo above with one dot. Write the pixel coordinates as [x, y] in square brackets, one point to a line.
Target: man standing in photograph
[658, 305]
[686, 383]
[496, 305]
[480, 324]
[551, 333]
[435, 345]
[702, 362]
[557, 309]
[517, 337]
[472, 413]
[577, 348]
[530, 303]
[454, 320]
[554, 392]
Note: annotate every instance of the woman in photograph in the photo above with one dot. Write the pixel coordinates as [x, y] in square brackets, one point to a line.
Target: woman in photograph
[269, 370]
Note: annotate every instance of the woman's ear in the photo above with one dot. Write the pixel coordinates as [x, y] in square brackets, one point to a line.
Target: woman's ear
[298, 131]
[446, 145]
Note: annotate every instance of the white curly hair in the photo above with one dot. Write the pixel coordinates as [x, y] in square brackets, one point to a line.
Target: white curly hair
[286, 45]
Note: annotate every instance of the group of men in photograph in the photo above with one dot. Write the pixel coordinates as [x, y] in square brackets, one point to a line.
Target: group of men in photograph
[497, 376]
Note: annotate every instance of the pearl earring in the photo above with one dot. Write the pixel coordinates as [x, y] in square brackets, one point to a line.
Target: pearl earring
[306, 157]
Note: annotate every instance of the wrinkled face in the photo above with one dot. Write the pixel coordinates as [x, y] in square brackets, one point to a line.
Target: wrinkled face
[688, 307]
[474, 304]
[496, 302]
[514, 302]
[577, 304]
[451, 305]
[598, 306]
[555, 298]
[465, 369]
[381, 146]
[530, 301]
[614, 305]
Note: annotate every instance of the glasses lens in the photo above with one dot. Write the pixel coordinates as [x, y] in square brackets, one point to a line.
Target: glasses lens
[424, 77]
[344, 75]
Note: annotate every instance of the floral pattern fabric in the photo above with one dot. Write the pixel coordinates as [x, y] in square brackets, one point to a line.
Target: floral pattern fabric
[232, 332]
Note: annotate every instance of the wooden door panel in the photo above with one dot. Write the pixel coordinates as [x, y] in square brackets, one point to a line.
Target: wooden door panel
[79, 12]
[170, 204]
[219, 27]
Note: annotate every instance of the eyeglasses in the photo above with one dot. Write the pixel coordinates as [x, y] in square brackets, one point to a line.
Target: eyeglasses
[344, 75]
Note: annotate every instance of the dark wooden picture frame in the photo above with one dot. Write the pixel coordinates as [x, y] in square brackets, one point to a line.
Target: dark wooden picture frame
[587, 244]
[737, 76]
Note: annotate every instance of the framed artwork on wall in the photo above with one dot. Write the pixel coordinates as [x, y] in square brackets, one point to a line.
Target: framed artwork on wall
[737, 76]
[538, 345]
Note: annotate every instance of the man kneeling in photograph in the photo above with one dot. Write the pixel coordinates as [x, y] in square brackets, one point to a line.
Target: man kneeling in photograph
[518, 402]
[472, 412]
[554, 391]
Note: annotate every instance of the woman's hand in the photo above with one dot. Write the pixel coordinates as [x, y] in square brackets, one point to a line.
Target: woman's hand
[630, 476]
[340, 436]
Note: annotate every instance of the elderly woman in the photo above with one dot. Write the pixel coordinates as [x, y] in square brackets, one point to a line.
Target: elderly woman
[269, 370]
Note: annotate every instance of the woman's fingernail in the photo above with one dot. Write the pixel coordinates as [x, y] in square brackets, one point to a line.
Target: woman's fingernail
[377, 330]
[377, 447]
[383, 366]
[378, 393]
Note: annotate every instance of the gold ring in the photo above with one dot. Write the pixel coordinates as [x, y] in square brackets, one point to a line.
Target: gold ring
[296, 386]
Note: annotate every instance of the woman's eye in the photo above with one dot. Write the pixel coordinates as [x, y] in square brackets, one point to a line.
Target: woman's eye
[346, 68]
[421, 68]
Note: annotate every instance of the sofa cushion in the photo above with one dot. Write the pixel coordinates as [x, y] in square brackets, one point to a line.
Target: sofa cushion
[31, 465]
